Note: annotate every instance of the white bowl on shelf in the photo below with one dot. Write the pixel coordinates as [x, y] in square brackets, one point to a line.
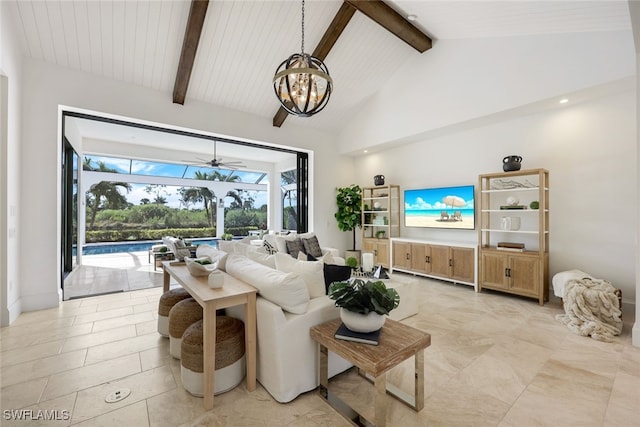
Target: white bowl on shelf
[199, 270]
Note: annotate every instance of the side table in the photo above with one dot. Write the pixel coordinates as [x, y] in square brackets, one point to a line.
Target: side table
[398, 342]
[159, 256]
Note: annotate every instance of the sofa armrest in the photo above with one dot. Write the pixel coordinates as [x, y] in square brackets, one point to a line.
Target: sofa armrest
[287, 359]
[335, 254]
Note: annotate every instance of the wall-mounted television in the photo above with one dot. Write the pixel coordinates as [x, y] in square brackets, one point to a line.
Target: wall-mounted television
[444, 207]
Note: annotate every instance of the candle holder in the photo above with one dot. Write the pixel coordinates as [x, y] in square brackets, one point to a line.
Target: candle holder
[367, 262]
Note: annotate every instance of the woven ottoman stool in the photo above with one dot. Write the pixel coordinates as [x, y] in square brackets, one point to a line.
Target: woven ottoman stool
[167, 301]
[230, 356]
[181, 316]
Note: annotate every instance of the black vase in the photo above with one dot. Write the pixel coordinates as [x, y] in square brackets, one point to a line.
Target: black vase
[511, 163]
[378, 180]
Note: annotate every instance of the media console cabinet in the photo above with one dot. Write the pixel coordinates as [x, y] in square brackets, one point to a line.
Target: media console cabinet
[455, 262]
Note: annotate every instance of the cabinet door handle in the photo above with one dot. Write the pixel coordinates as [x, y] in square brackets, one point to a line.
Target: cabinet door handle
[507, 272]
[408, 256]
[375, 252]
[450, 262]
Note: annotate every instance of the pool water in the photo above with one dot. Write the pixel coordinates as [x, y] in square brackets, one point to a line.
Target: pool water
[114, 248]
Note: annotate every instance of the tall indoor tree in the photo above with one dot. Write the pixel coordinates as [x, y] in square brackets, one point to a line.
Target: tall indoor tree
[349, 201]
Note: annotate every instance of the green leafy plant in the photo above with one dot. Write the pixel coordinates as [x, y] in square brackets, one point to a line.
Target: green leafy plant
[534, 205]
[349, 201]
[364, 297]
[380, 234]
[164, 249]
[202, 261]
[227, 236]
[351, 262]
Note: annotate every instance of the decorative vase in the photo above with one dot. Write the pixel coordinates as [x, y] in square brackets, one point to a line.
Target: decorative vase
[511, 163]
[378, 180]
[358, 322]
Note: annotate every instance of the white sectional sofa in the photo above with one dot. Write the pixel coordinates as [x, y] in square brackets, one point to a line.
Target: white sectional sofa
[289, 303]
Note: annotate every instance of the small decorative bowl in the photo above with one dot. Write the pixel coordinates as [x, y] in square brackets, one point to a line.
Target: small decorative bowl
[199, 270]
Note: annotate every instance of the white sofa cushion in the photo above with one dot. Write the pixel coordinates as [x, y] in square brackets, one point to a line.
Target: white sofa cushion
[310, 271]
[262, 257]
[236, 247]
[287, 290]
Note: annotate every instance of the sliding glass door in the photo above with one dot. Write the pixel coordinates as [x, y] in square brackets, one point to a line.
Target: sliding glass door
[70, 160]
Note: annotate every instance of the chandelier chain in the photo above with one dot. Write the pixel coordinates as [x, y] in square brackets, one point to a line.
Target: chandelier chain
[302, 45]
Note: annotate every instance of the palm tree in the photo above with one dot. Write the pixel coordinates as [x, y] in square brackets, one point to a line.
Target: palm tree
[104, 195]
[201, 195]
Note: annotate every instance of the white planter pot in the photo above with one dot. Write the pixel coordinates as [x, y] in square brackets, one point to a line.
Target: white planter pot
[362, 322]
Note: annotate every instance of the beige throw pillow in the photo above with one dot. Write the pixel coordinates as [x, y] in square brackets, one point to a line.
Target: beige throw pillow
[312, 272]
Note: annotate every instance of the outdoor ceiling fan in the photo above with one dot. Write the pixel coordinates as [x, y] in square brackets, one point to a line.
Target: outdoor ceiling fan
[218, 163]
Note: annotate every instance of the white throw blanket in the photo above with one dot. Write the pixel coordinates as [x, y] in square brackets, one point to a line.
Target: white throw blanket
[591, 307]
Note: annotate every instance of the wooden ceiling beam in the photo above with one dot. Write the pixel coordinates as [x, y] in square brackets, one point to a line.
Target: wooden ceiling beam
[397, 24]
[195, 22]
[337, 26]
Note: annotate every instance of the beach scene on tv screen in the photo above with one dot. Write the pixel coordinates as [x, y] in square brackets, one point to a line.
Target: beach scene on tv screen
[447, 207]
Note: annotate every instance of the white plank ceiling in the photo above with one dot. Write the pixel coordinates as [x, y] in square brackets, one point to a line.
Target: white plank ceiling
[243, 42]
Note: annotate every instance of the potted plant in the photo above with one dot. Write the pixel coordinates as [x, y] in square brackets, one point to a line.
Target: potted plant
[349, 201]
[363, 305]
[227, 236]
[352, 262]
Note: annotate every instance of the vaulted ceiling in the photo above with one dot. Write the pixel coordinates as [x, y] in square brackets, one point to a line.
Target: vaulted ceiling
[243, 42]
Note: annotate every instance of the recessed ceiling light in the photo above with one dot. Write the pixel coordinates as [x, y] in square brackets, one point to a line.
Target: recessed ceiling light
[366, 151]
[412, 17]
[564, 101]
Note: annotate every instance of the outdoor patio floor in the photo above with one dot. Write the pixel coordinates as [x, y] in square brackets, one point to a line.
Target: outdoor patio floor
[111, 273]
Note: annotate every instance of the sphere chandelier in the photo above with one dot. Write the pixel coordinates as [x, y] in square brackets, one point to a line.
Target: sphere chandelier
[302, 82]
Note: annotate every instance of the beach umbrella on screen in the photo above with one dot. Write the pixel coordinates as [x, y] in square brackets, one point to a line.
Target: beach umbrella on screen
[454, 201]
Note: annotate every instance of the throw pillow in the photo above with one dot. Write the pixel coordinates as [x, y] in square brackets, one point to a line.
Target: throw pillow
[269, 248]
[272, 240]
[312, 246]
[281, 242]
[326, 258]
[295, 246]
[310, 272]
[335, 273]
[286, 290]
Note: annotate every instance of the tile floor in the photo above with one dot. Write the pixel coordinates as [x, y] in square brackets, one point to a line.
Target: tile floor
[110, 273]
[495, 360]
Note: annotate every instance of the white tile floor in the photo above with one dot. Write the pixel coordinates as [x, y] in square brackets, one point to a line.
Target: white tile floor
[495, 360]
[110, 273]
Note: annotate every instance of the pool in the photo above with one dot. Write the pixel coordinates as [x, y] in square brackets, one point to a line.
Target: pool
[114, 248]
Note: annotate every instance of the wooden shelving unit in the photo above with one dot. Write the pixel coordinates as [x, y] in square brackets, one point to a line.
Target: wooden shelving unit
[524, 272]
[380, 220]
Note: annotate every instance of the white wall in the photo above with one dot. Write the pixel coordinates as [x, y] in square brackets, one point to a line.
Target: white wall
[10, 235]
[461, 80]
[590, 151]
[47, 86]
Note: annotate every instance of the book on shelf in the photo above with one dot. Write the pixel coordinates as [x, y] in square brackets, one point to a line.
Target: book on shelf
[514, 245]
[516, 207]
[504, 248]
[343, 333]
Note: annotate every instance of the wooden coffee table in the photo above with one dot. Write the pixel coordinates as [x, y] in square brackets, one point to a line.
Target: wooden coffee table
[398, 342]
